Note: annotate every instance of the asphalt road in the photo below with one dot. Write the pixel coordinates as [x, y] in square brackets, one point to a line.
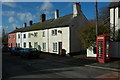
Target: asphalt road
[48, 66]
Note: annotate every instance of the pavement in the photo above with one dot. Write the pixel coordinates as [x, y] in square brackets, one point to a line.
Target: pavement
[54, 66]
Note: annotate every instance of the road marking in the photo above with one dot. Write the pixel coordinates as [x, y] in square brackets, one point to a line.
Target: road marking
[113, 69]
[113, 75]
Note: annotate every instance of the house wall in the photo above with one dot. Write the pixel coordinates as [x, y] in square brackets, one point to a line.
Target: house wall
[12, 40]
[34, 39]
[115, 49]
[19, 40]
[75, 44]
[117, 19]
[24, 40]
[63, 37]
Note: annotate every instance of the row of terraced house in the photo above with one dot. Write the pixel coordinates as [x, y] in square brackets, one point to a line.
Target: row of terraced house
[51, 35]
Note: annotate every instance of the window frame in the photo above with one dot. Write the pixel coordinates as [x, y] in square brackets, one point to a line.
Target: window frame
[44, 46]
[24, 44]
[54, 32]
[55, 47]
[43, 34]
[35, 34]
[24, 35]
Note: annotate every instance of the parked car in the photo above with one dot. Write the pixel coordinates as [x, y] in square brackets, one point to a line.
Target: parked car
[5, 49]
[15, 51]
[29, 53]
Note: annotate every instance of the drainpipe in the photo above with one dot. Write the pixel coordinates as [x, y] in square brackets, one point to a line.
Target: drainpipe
[48, 39]
[114, 25]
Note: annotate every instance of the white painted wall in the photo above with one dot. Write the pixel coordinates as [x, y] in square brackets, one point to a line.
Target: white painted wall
[19, 40]
[33, 39]
[25, 40]
[60, 37]
[117, 19]
[90, 52]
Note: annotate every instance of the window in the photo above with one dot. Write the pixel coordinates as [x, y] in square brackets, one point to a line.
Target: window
[29, 35]
[44, 46]
[43, 35]
[18, 44]
[18, 35]
[35, 45]
[54, 32]
[30, 46]
[9, 36]
[24, 36]
[54, 47]
[13, 36]
[35, 34]
[24, 44]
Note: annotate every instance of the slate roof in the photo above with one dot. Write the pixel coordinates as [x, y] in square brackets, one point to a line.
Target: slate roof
[63, 21]
[114, 4]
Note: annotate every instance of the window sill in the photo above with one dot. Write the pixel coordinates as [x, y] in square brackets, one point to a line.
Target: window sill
[54, 51]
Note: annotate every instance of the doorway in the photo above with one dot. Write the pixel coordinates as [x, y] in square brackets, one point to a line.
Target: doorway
[59, 47]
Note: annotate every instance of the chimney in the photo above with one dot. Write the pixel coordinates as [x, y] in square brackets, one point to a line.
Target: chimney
[56, 13]
[42, 17]
[25, 25]
[16, 28]
[31, 23]
[76, 9]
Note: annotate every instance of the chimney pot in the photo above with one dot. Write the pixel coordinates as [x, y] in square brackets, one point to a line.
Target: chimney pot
[25, 24]
[42, 17]
[31, 22]
[56, 13]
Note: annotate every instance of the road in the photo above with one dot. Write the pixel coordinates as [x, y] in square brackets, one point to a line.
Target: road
[48, 66]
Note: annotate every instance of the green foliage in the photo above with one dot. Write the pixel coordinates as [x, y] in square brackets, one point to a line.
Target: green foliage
[87, 33]
[118, 35]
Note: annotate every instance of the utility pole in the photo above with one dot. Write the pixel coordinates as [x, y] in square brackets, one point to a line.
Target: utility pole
[96, 6]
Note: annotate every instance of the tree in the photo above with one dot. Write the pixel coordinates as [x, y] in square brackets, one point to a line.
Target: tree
[87, 33]
[104, 13]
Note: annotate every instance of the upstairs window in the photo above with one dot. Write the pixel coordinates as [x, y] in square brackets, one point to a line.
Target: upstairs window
[35, 34]
[54, 32]
[18, 35]
[29, 35]
[43, 35]
[24, 36]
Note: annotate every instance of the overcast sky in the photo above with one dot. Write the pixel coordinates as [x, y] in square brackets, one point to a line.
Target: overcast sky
[14, 14]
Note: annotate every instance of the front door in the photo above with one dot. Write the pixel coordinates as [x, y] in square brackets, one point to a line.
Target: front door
[60, 47]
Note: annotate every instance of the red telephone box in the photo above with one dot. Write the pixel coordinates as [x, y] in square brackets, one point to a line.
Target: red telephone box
[103, 48]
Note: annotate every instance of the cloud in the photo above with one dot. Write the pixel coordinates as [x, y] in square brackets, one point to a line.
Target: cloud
[25, 16]
[46, 8]
[9, 4]
[8, 13]
[11, 19]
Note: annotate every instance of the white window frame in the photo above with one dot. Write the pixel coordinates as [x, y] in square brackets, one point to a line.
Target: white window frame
[36, 45]
[43, 34]
[54, 32]
[44, 46]
[35, 34]
[55, 46]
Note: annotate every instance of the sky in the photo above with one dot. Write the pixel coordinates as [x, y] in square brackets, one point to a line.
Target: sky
[14, 14]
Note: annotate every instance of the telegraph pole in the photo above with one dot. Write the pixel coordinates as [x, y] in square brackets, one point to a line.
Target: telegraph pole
[96, 6]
